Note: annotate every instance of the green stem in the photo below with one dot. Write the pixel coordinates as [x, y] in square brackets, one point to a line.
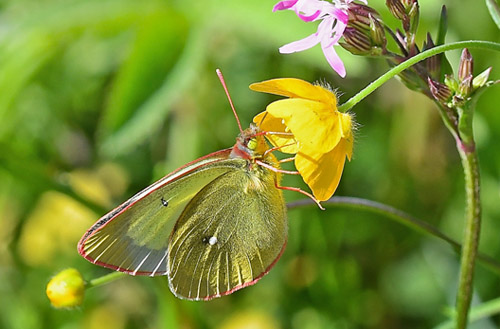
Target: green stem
[105, 279]
[471, 234]
[400, 217]
[411, 61]
[478, 312]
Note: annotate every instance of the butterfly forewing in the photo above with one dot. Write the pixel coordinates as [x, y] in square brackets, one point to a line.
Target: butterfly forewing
[133, 238]
[228, 236]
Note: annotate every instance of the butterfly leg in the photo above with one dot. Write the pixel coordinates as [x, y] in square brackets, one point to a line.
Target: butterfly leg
[265, 165]
[286, 160]
[296, 189]
[277, 148]
[288, 188]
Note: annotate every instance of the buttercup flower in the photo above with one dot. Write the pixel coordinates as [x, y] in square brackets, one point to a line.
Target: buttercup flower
[333, 16]
[66, 289]
[312, 128]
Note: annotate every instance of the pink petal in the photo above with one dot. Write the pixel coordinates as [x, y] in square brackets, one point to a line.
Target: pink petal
[286, 4]
[324, 31]
[338, 30]
[308, 7]
[340, 15]
[300, 45]
[334, 60]
[309, 18]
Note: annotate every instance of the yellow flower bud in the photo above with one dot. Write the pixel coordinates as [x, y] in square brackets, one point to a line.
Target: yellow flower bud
[66, 289]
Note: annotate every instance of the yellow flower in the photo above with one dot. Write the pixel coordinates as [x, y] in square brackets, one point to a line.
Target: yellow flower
[66, 289]
[319, 135]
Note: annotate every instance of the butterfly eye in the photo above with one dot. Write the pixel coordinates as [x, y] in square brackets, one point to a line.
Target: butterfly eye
[252, 144]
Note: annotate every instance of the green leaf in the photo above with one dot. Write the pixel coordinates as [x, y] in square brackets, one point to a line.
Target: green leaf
[494, 11]
[158, 44]
[34, 40]
[441, 36]
[151, 114]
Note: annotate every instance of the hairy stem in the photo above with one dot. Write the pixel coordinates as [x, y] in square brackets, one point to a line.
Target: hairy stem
[471, 234]
[487, 45]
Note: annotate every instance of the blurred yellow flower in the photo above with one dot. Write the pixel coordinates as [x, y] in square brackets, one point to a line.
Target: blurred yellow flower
[66, 289]
[319, 135]
[53, 228]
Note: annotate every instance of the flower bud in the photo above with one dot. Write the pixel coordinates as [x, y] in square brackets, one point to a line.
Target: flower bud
[407, 11]
[364, 34]
[414, 15]
[66, 289]
[397, 9]
[356, 42]
[377, 32]
[466, 65]
[440, 91]
[481, 79]
[433, 63]
[359, 16]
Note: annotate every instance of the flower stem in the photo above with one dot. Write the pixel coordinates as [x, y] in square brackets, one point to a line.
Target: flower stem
[400, 217]
[482, 311]
[471, 234]
[413, 60]
[105, 279]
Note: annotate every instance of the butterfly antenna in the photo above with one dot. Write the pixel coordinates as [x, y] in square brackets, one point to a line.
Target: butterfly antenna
[221, 78]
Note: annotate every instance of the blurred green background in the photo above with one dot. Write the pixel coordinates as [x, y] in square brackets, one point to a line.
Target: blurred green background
[99, 98]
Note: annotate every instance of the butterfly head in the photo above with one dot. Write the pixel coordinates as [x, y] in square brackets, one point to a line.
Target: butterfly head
[250, 144]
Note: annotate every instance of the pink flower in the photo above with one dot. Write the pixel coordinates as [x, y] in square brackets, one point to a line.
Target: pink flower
[333, 18]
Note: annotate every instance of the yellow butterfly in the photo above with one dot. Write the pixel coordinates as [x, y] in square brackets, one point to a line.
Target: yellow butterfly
[213, 226]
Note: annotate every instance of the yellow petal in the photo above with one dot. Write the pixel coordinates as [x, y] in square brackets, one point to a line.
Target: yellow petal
[296, 88]
[345, 121]
[313, 124]
[347, 135]
[322, 172]
[269, 123]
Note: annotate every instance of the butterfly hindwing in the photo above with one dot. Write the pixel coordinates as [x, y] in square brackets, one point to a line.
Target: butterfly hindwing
[228, 236]
[133, 238]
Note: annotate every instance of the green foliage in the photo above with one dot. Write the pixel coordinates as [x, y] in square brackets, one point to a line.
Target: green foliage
[98, 98]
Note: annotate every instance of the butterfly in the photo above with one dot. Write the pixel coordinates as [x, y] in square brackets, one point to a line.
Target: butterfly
[213, 226]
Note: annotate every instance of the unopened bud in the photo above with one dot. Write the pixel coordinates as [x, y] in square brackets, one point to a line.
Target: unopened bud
[409, 3]
[397, 9]
[66, 289]
[414, 14]
[356, 42]
[359, 15]
[433, 63]
[466, 65]
[377, 32]
[439, 91]
[407, 11]
[481, 79]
